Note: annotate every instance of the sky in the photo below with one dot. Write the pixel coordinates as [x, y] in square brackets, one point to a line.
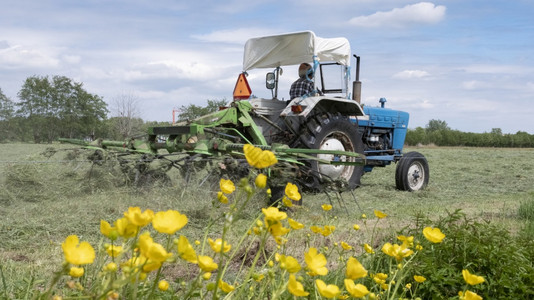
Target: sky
[467, 62]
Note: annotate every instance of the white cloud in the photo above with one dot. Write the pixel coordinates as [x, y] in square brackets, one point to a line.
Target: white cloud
[409, 74]
[413, 14]
[475, 85]
[237, 36]
[19, 57]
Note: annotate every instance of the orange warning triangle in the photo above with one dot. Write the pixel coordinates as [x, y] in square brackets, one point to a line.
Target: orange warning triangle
[242, 89]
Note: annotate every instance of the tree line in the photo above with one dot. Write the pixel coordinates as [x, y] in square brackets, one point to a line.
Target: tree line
[49, 108]
[438, 133]
[54, 107]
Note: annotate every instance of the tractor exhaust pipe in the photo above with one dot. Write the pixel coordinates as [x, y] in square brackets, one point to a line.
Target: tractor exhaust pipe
[357, 84]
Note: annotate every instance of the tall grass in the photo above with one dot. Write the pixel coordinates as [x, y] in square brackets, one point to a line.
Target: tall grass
[42, 203]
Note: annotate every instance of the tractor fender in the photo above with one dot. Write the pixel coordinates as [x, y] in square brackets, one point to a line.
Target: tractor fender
[303, 107]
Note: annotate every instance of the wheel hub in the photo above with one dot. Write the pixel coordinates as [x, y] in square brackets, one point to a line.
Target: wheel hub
[333, 171]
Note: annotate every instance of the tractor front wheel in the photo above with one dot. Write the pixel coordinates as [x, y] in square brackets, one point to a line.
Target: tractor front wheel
[412, 172]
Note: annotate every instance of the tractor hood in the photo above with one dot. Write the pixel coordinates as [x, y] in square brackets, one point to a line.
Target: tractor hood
[293, 49]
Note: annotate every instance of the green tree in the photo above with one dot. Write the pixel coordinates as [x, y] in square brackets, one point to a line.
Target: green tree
[59, 107]
[193, 111]
[7, 111]
[435, 125]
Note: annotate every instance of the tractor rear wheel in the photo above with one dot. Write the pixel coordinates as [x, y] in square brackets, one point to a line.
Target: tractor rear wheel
[333, 132]
[412, 172]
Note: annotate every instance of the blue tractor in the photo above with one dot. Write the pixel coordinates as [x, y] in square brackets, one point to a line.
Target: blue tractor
[324, 139]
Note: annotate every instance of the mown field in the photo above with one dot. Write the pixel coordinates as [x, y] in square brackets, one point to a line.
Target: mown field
[43, 200]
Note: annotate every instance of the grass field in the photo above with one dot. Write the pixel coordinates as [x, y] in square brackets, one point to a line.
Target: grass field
[43, 200]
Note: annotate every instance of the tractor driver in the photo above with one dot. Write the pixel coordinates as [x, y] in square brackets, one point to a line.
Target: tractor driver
[304, 85]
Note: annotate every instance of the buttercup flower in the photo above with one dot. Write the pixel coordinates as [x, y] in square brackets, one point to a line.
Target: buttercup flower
[76, 272]
[113, 250]
[356, 290]
[292, 192]
[227, 186]
[169, 221]
[472, 279]
[346, 246]
[368, 248]
[261, 181]
[327, 291]
[77, 253]
[152, 250]
[222, 198]
[163, 285]
[315, 262]
[419, 279]
[289, 263]
[407, 241]
[380, 278]
[125, 228]
[355, 269]
[434, 235]
[287, 202]
[380, 214]
[186, 251]
[138, 218]
[108, 231]
[259, 158]
[294, 224]
[326, 207]
[225, 287]
[273, 214]
[218, 245]
[397, 251]
[206, 263]
[295, 287]
[469, 296]
[356, 227]
[110, 267]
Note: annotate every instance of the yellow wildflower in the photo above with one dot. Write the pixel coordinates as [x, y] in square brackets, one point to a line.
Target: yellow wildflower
[397, 251]
[356, 290]
[380, 214]
[289, 263]
[292, 192]
[295, 287]
[419, 279]
[169, 221]
[315, 262]
[472, 279]
[206, 263]
[273, 214]
[218, 245]
[346, 246]
[380, 278]
[227, 186]
[110, 267]
[326, 207]
[287, 202]
[113, 250]
[222, 198]
[261, 181]
[327, 291]
[125, 228]
[108, 231]
[76, 272]
[225, 287]
[356, 227]
[186, 251]
[368, 249]
[138, 218]
[294, 224]
[163, 285]
[407, 241]
[355, 269]
[434, 235]
[77, 253]
[259, 158]
[469, 296]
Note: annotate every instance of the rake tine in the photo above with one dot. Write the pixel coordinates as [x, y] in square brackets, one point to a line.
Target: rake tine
[356, 200]
[342, 202]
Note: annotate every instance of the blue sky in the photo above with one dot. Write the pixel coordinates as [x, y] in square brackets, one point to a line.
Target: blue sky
[469, 63]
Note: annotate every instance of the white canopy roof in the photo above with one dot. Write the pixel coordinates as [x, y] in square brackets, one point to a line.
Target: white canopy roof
[292, 49]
